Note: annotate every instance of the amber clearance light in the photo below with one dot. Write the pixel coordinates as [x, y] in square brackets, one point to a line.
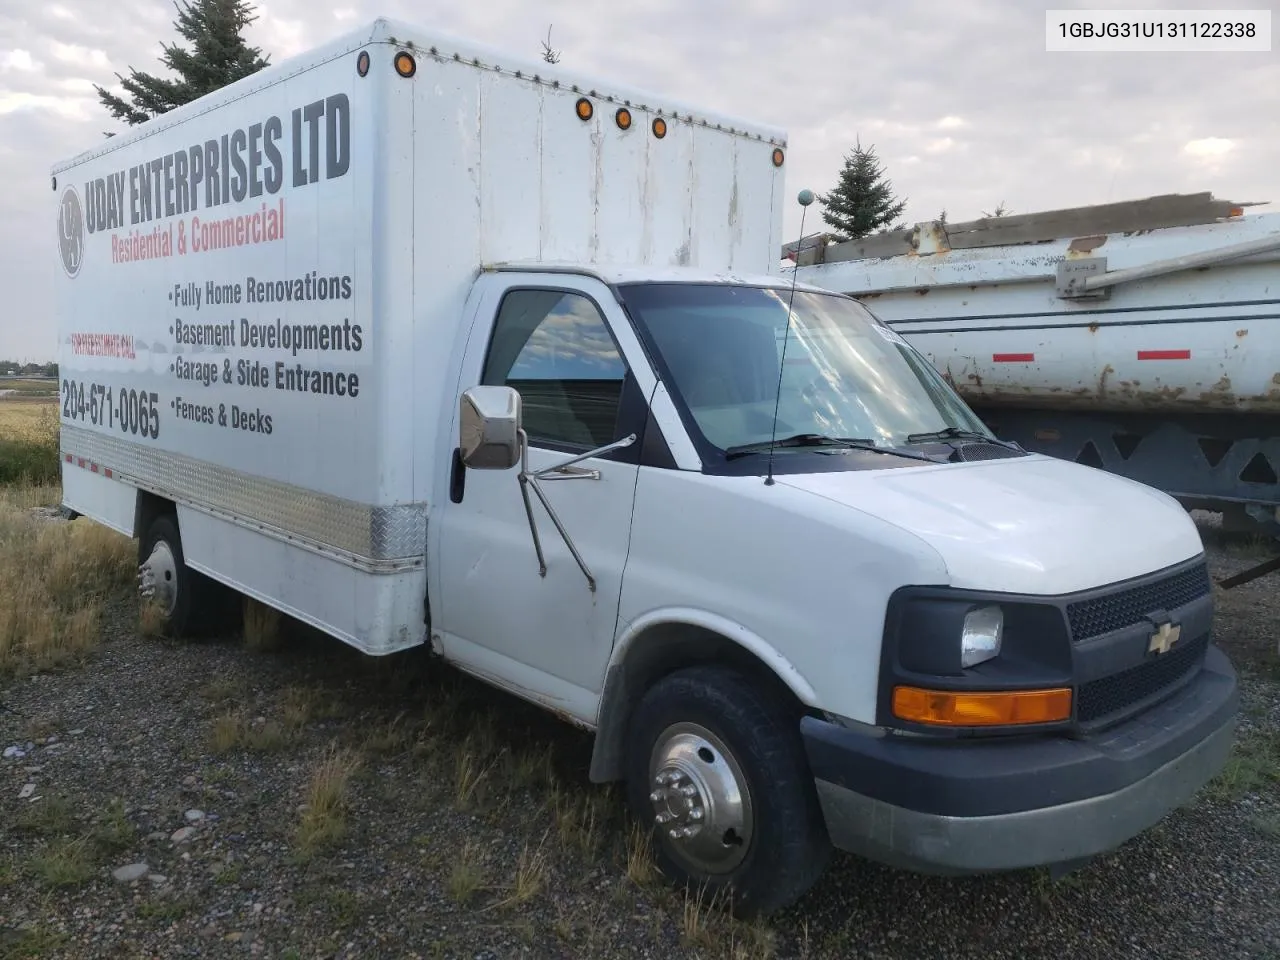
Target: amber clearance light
[585, 109]
[659, 128]
[405, 64]
[1007, 708]
[623, 118]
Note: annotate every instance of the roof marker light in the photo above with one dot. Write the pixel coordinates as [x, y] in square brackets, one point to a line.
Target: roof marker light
[362, 63]
[659, 127]
[406, 66]
[623, 118]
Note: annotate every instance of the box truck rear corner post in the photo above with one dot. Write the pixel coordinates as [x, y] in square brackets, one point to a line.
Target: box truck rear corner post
[419, 343]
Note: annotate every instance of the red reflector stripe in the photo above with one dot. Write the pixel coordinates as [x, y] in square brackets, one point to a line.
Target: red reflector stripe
[1164, 354]
[95, 467]
[1013, 357]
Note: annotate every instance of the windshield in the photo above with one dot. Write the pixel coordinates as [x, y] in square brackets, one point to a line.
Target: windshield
[845, 374]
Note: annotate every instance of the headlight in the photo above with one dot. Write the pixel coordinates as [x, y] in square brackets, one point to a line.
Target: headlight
[980, 638]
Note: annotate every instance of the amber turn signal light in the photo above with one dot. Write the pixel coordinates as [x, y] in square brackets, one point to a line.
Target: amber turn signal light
[948, 708]
[406, 66]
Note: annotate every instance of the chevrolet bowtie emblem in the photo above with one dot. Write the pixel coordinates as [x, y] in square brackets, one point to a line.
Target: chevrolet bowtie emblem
[1163, 639]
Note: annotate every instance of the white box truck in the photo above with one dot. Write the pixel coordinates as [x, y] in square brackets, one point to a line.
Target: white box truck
[420, 343]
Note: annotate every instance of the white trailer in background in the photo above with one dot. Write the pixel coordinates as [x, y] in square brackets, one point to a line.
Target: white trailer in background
[424, 344]
[1142, 337]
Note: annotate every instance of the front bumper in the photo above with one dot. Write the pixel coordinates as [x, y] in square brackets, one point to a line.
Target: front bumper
[977, 805]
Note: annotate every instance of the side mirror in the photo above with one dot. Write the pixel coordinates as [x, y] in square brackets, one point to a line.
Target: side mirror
[489, 428]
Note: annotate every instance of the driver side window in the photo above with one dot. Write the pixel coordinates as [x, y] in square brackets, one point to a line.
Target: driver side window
[554, 348]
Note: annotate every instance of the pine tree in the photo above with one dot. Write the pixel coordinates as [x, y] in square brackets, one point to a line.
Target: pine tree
[863, 200]
[218, 55]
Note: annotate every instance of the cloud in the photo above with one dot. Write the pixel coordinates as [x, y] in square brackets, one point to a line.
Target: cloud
[1209, 147]
[17, 60]
[962, 102]
[71, 53]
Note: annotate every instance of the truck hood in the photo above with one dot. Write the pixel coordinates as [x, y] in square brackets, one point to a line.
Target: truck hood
[1034, 525]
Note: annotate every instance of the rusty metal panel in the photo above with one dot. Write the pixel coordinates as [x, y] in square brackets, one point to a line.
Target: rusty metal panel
[1195, 341]
[1150, 213]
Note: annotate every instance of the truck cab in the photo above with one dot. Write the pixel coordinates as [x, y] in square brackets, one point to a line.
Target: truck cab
[801, 594]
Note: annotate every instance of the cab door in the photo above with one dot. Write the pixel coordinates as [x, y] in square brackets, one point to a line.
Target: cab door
[564, 344]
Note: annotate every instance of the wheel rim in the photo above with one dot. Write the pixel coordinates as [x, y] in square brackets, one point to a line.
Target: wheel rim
[701, 802]
[158, 578]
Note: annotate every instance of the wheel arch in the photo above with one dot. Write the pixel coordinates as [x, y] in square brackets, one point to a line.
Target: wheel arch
[147, 507]
[659, 644]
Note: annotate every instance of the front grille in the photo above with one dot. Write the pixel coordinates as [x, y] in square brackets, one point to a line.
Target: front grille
[1108, 696]
[1115, 611]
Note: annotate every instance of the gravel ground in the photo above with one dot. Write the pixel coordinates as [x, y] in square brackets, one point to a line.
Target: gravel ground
[212, 800]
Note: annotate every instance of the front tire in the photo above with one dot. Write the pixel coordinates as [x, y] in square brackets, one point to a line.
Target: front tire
[717, 772]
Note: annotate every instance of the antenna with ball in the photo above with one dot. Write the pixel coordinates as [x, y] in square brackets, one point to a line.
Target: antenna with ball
[805, 197]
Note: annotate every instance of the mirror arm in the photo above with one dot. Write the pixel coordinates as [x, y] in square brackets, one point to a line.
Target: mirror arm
[563, 464]
[528, 480]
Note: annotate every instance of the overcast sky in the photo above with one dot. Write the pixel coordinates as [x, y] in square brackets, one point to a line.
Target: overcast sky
[961, 101]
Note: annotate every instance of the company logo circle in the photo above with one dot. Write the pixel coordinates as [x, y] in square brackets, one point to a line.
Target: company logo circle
[71, 231]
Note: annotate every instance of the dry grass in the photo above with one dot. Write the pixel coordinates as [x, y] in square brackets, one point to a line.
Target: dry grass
[66, 863]
[28, 390]
[324, 819]
[55, 579]
[642, 869]
[470, 772]
[581, 818]
[1254, 765]
[225, 735]
[261, 625]
[234, 730]
[466, 877]
[28, 442]
[150, 619]
[29, 496]
[530, 876]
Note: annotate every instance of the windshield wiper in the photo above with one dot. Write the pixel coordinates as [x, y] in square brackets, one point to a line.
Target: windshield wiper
[957, 433]
[819, 440]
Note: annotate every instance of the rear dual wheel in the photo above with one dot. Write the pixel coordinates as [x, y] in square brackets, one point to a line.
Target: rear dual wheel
[716, 771]
[188, 603]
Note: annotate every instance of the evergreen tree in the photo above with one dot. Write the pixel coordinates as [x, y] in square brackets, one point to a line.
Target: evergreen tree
[863, 199]
[218, 55]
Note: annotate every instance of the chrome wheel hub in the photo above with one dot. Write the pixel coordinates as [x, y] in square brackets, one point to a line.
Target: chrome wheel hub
[158, 578]
[700, 799]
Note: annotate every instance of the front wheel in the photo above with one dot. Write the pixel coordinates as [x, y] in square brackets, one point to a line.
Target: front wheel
[716, 770]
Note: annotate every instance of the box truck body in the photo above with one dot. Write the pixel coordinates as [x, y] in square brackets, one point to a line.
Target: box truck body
[420, 343]
[263, 317]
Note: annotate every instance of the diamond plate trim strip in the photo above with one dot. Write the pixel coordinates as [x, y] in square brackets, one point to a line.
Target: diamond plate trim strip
[367, 532]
